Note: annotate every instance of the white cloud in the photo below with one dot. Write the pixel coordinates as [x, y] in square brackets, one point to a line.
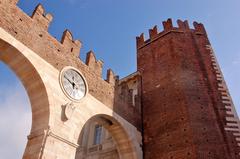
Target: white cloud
[15, 123]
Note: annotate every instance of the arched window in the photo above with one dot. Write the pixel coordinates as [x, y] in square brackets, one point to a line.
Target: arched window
[97, 135]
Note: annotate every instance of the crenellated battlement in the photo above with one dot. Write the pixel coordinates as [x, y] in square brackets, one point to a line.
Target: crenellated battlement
[70, 45]
[93, 63]
[14, 2]
[25, 28]
[32, 31]
[41, 18]
[183, 26]
[111, 78]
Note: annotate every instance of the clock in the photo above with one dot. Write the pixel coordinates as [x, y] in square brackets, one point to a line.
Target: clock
[73, 83]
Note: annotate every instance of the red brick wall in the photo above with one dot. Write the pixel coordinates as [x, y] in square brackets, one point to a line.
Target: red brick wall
[182, 115]
[123, 100]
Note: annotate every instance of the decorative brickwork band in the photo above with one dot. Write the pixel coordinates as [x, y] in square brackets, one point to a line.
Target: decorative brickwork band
[232, 120]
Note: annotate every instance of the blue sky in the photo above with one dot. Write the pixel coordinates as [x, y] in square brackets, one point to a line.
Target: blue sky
[109, 28]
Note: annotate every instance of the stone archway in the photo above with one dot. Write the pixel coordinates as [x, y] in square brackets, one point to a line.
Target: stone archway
[52, 137]
[127, 137]
[119, 140]
[16, 57]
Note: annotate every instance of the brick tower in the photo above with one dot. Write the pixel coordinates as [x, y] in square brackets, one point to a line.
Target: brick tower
[187, 110]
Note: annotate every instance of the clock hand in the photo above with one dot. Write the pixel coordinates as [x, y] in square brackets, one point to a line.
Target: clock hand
[69, 80]
[73, 83]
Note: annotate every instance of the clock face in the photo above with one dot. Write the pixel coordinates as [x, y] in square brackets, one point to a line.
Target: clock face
[73, 84]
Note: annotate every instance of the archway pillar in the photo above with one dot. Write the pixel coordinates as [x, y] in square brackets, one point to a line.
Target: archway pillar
[35, 74]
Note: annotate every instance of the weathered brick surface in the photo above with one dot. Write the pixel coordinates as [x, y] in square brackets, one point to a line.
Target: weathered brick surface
[124, 98]
[183, 116]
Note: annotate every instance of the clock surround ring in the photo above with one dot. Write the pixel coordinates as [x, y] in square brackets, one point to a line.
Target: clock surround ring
[62, 87]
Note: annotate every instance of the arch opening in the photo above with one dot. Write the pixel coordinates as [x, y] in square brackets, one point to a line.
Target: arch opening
[103, 137]
[28, 74]
[15, 113]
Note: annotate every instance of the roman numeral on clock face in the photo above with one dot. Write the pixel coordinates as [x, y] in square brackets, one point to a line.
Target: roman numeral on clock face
[73, 84]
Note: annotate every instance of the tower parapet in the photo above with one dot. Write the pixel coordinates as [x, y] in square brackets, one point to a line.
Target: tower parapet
[168, 27]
